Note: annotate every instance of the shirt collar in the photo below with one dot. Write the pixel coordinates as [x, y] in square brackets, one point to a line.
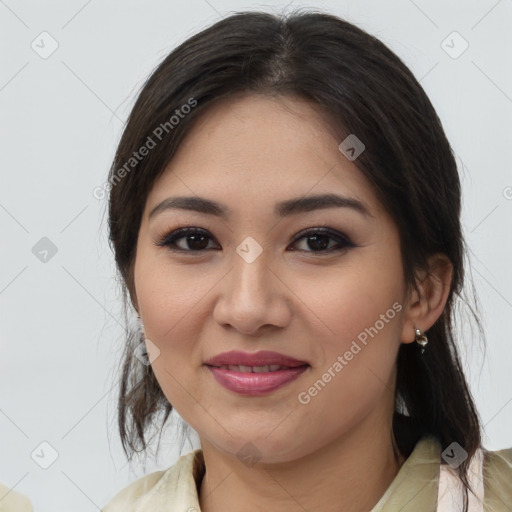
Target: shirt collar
[414, 489]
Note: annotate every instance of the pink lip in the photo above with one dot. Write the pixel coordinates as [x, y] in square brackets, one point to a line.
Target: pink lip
[255, 384]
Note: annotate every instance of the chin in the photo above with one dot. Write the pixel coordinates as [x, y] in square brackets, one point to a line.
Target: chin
[252, 448]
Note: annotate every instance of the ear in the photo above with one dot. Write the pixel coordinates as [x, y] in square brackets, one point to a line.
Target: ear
[424, 308]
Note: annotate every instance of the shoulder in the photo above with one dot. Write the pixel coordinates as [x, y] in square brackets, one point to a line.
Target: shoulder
[13, 501]
[167, 486]
[130, 497]
[497, 476]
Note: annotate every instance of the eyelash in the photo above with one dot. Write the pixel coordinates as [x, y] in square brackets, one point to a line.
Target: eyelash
[169, 239]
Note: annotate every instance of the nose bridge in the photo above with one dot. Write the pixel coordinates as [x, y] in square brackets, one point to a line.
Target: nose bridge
[251, 275]
[250, 297]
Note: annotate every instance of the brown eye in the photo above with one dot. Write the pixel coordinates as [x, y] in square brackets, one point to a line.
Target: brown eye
[318, 240]
[194, 240]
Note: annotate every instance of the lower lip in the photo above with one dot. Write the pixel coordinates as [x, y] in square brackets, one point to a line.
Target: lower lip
[256, 384]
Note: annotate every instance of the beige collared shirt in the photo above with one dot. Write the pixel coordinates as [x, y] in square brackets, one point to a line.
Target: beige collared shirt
[414, 489]
[13, 501]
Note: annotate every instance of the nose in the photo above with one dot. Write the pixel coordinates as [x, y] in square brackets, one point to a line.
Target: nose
[253, 297]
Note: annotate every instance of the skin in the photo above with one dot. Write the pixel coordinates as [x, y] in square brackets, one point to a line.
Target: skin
[335, 452]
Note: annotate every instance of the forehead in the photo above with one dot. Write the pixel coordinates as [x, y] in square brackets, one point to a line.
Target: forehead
[258, 150]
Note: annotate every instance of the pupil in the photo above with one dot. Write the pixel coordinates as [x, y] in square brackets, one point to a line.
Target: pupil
[315, 238]
[192, 239]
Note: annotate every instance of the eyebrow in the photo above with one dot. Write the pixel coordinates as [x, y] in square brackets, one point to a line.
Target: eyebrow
[282, 209]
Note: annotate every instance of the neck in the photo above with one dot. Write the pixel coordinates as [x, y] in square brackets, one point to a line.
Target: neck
[349, 474]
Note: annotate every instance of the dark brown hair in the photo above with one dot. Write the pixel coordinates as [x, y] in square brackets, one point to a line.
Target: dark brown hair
[362, 88]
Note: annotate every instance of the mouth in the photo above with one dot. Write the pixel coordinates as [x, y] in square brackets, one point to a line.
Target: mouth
[253, 369]
[255, 374]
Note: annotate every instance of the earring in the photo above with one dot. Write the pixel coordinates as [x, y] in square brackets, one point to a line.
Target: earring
[141, 328]
[421, 340]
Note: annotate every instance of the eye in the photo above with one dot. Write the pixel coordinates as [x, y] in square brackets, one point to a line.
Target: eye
[195, 239]
[319, 239]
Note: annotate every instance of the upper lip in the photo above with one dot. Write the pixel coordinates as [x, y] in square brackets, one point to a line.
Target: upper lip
[261, 358]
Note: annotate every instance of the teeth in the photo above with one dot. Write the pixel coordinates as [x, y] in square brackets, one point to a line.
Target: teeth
[252, 369]
[260, 369]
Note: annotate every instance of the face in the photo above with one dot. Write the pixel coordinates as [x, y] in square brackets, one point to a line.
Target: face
[321, 283]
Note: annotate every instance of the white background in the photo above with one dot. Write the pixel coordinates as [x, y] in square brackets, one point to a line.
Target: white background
[60, 120]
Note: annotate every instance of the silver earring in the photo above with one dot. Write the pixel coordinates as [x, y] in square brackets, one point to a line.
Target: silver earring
[421, 340]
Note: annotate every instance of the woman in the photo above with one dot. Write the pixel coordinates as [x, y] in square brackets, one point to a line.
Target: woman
[285, 216]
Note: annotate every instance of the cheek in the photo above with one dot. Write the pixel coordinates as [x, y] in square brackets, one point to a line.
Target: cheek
[167, 295]
[357, 355]
[345, 302]
[359, 320]
[170, 304]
